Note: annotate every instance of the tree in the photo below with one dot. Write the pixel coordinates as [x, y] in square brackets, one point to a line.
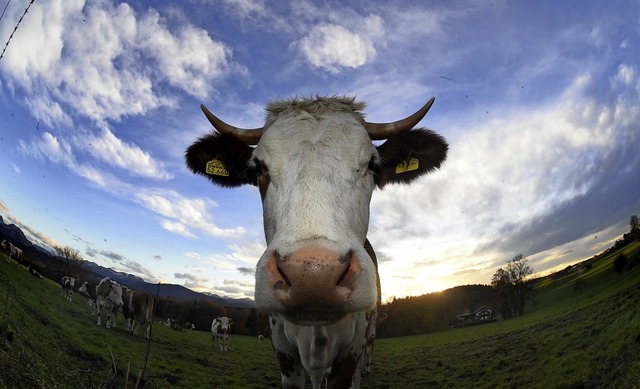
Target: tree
[511, 287]
[634, 224]
[70, 260]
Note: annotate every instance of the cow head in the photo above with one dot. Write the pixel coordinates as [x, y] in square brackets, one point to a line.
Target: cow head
[316, 167]
[224, 324]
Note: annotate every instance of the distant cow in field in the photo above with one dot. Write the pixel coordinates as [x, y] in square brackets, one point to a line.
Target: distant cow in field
[88, 290]
[12, 251]
[138, 306]
[188, 326]
[34, 273]
[68, 284]
[108, 301]
[6, 248]
[220, 329]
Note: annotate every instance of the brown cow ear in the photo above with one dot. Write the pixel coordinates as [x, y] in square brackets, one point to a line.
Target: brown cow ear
[223, 159]
[408, 155]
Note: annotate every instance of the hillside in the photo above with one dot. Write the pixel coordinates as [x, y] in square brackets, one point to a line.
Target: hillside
[569, 337]
[49, 265]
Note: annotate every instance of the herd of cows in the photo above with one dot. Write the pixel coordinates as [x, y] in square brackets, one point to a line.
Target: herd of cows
[108, 298]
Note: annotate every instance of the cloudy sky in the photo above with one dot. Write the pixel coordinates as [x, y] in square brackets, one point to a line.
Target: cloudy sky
[540, 102]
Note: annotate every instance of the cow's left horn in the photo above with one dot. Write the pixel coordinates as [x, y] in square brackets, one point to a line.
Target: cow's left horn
[380, 131]
[248, 136]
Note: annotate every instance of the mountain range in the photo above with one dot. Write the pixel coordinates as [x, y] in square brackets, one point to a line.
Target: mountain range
[16, 236]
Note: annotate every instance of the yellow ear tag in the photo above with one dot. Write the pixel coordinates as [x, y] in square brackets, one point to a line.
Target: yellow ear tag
[407, 166]
[216, 167]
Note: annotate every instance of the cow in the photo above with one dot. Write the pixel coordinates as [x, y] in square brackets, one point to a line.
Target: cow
[139, 310]
[188, 327]
[108, 300]
[220, 330]
[12, 251]
[316, 166]
[88, 290]
[6, 248]
[34, 273]
[68, 284]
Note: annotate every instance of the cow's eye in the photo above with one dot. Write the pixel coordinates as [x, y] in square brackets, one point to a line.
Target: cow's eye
[374, 164]
[264, 169]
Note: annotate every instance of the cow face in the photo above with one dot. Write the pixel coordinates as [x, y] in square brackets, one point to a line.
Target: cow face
[316, 167]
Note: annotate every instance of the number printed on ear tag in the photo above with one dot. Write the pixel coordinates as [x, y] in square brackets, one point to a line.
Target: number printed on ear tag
[407, 166]
[217, 168]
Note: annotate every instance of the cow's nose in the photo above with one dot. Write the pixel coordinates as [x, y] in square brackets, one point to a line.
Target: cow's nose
[313, 278]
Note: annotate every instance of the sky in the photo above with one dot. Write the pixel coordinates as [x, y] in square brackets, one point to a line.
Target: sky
[539, 101]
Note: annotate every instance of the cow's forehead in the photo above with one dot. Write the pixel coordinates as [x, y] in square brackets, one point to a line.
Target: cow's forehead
[313, 134]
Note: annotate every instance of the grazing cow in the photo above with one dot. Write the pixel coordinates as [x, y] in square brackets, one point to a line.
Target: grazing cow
[220, 329]
[34, 273]
[188, 326]
[138, 310]
[6, 248]
[68, 284]
[108, 300]
[88, 290]
[12, 251]
[316, 167]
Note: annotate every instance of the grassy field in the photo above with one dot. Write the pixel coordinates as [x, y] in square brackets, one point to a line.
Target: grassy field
[566, 339]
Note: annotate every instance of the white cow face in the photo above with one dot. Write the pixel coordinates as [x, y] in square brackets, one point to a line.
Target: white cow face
[316, 168]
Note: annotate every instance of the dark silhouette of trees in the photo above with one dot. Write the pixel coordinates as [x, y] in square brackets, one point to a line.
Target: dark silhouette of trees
[70, 263]
[634, 230]
[511, 289]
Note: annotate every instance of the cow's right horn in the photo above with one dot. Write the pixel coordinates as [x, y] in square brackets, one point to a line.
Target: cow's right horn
[248, 136]
[380, 131]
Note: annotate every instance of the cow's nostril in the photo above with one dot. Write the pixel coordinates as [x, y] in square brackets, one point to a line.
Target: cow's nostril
[284, 283]
[347, 260]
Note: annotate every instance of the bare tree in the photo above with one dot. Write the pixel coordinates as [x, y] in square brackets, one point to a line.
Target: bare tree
[511, 286]
[70, 260]
[634, 231]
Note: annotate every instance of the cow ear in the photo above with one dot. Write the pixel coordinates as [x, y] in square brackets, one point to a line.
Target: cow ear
[408, 155]
[223, 159]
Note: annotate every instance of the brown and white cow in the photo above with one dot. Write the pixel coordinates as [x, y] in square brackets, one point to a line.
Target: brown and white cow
[12, 251]
[316, 167]
[138, 310]
[88, 290]
[68, 284]
[108, 301]
[220, 330]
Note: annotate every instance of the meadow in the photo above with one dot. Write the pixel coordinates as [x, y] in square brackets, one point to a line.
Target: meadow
[567, 338]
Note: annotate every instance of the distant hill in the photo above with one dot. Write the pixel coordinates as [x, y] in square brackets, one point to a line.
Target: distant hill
[166, 290]
[15, 235]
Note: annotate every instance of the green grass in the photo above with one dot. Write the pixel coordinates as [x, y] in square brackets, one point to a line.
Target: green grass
[566, 339]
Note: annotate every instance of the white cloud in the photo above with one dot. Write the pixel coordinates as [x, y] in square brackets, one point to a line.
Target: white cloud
[110, 149]
[332, 46]
[104, 61]
[183, 214]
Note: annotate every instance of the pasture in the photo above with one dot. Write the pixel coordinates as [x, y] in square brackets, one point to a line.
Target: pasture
[567, 339]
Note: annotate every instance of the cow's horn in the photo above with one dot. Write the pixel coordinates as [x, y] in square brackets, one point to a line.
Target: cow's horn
[248, 136]
[380, 131]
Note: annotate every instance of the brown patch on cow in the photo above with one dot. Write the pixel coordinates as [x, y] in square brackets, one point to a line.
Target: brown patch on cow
[342, 373]
[288, 364]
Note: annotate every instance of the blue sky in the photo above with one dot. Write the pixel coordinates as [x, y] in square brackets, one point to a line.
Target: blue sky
[540, 103]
